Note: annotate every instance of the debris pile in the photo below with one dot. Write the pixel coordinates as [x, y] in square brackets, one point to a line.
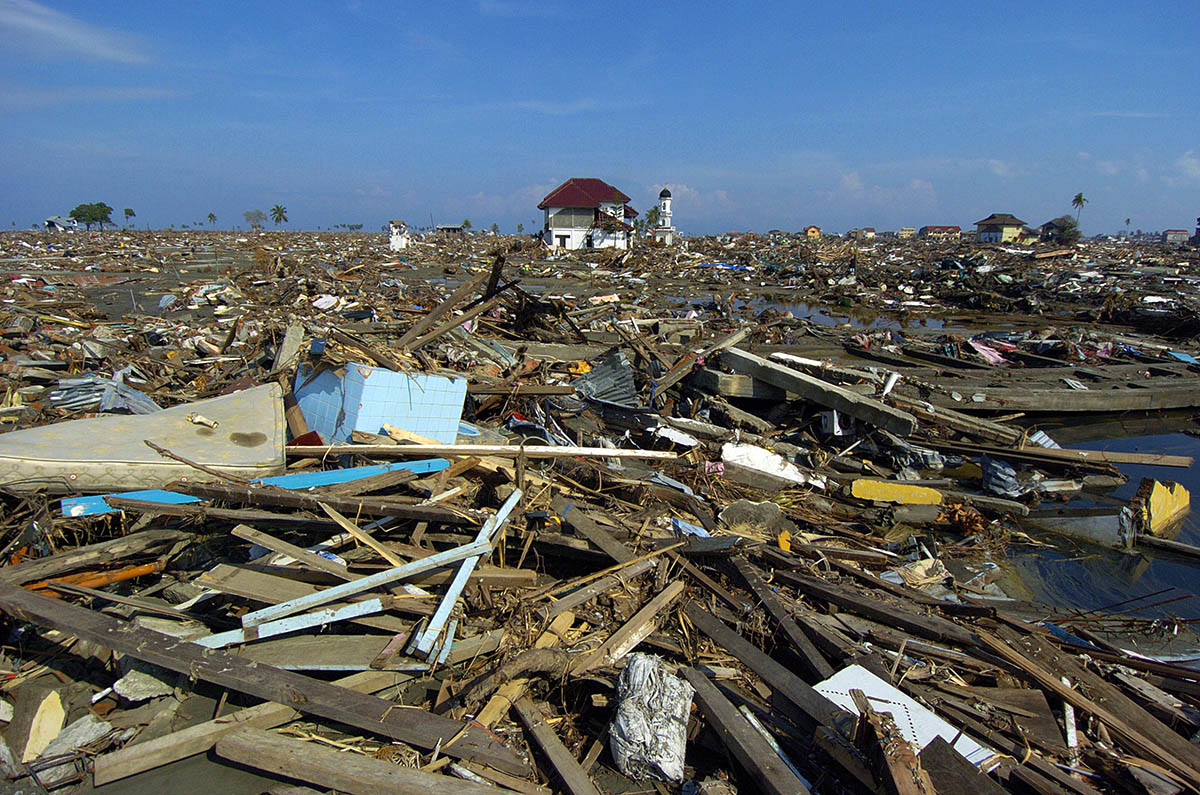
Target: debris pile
[543, 523]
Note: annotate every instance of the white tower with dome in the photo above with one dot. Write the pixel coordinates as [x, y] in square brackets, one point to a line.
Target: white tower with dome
[665, 231]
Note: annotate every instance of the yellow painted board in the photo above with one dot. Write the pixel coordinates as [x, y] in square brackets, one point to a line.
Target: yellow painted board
[901, 493]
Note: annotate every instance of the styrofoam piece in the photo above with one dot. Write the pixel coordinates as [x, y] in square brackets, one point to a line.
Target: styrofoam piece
[358, 397]
[916, 723]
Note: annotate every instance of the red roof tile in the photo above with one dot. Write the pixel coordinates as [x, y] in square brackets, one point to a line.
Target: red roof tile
[582, 192]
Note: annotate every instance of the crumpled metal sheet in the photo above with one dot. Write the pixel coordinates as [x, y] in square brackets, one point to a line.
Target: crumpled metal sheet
[1000, 478]
[648, 736]
[101, 394]
[610, 380]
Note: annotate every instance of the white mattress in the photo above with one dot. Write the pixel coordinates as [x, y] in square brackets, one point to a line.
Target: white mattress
[108, 453]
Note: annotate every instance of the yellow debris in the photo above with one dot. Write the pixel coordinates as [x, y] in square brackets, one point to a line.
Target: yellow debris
[785, 541]
[902, 493]
[1168, 503]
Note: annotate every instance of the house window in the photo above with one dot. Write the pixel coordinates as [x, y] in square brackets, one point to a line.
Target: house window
[562, 241]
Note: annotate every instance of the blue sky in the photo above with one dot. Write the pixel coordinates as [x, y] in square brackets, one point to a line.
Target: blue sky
[757, 116]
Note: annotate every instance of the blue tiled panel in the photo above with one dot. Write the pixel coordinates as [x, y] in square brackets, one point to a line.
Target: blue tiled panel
[364, 398]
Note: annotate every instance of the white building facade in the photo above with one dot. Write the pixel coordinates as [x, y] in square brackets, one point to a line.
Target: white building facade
[584, 213]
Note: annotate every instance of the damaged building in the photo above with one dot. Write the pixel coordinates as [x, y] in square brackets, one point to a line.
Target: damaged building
[585, 212]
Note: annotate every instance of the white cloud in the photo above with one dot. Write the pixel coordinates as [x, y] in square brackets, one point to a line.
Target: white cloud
[1108, 167]
[525, 8]
[689, 201]
[914, 194]
[1143, 175]
[1128, 114]
[33, 98]
[1000, 168]
[584, 105]
[1189, 164]
[51, 33]
[520, 202]
[1084, 155]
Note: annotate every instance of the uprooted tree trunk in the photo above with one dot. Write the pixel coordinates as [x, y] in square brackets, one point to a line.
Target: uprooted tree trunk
[532, 661]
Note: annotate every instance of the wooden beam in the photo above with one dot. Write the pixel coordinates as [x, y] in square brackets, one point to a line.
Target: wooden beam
[589, 592]
[816, 707]
[373, 715]
[310, 559]
[816, 665]
[142, 543]
[1142, 732]
[432, 316]
[745, 744]
[197, 739]
[506, 450]
[832, 396]
[567, 766]
[330, 768]
[932, 627]
[287, 498]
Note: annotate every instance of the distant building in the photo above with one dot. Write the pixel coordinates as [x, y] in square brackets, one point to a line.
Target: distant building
[665, 231]
[398, 237]
[940, 234]
[451, 229]
[584, 212]
[906, 232]
[61, 223]
[812, 232]
[1056, 229]
[866, 233]
[1175, 236]
[999, 228]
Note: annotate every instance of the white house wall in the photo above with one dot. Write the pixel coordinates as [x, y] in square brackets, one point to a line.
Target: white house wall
[573, 239]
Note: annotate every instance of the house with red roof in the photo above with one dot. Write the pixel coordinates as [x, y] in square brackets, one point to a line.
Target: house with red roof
[585, 212]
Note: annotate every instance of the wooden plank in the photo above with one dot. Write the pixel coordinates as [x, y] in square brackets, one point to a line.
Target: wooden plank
[269, 495]
[1049, 455]
[373, 715]
[361, 535]
[310, 559]
[600, 586]
[433, 315]
[567, 766]
[933, 627]
[816, 666]
[505, 450]
[745, 744]
[330, 768]
[261, 586]
[815, 706]
[1141, 731]
[197, 739]
[832, 396]
[950, 772]
[735, 385]
[142, 543]
[589, 528]
[895, 758]
[632, 632]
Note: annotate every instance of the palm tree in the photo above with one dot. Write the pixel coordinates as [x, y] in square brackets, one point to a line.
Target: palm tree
[129, 213]
[212, 219]
[279, 214]
[1078, 203]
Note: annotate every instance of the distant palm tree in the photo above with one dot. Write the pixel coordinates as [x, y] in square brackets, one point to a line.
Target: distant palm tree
[279, 214]
[1078, 203]
[212, 219]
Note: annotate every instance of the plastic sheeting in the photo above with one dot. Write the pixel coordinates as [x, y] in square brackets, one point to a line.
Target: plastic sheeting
[648, 736]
